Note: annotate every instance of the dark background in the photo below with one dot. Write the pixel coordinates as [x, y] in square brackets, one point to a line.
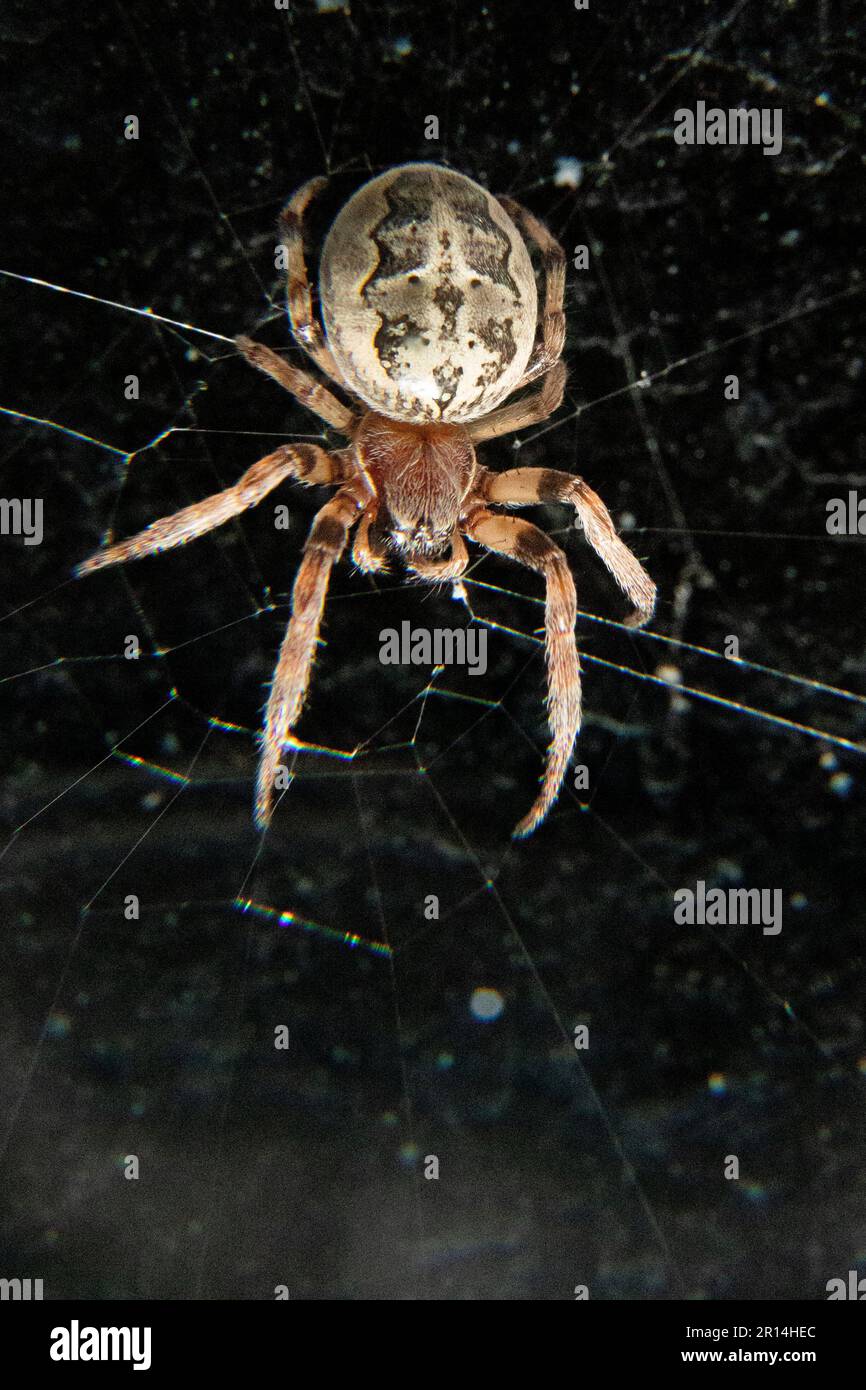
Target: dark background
[155, 1037]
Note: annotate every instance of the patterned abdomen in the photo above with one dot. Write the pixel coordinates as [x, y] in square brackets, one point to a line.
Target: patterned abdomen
[428, 296]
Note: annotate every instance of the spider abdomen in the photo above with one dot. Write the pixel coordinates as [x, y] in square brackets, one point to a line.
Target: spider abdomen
[428, 296]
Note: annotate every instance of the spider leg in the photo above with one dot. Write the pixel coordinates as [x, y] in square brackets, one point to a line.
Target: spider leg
[549, 349]
[307, 463]
[529, 546]
[306, 327]
[324, 546]
[522, 487]
[530, 410]
[369, 552]
[302, 386]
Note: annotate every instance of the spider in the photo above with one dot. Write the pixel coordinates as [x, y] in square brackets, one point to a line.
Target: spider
[430, 321]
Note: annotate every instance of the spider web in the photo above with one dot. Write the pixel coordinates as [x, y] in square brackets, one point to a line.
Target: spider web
[154, 1035]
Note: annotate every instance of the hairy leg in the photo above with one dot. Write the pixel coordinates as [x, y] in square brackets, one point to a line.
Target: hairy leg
[305, 462]
[549, 349]
[524, 487]
[529, 546]
[369, 552]
[519, 415]
[301, 385]
[325, 544]
[305, 326]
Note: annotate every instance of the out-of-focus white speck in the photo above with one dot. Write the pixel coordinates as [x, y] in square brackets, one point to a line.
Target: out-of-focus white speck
[568, 172]
[486, 1004]
[671, 674]
[401, 48]
[841, 783]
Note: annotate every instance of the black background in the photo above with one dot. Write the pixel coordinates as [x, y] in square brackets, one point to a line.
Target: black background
[155, 1037]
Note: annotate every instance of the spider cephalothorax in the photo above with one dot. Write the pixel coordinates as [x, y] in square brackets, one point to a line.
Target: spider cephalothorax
[431, 322]
[421, 475]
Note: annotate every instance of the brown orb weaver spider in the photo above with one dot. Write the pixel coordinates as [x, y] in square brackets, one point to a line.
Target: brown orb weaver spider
[430, 321]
